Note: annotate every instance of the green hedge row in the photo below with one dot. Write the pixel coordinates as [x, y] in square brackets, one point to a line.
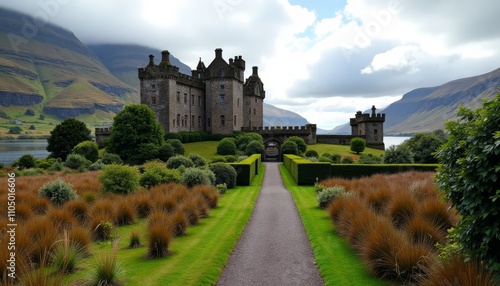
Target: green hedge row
[246, 169]
[195, 136]
[305, 172]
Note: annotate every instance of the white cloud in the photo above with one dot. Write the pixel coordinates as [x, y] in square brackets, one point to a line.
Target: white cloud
[400, 58]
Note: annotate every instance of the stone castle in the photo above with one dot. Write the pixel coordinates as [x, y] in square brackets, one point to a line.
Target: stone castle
[218, 99]
[214, 99]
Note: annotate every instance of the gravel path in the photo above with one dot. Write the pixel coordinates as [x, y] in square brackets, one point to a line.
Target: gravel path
[273, 249]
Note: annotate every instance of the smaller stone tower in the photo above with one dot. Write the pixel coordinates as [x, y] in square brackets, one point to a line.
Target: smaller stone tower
[370, 127]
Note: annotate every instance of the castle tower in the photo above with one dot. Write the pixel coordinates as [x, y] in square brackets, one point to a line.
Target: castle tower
[254, 95]
[370, 127]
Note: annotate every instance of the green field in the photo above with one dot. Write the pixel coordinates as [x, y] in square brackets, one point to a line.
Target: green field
[337, 262]
[344, 150]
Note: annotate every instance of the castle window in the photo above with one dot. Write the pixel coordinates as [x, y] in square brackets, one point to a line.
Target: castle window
[255, 100]
[153, 86]
[199, 121]
[222, 98]
[199, 100]
[208, 121]
[192, 99]
[222, 72]
[222, 120]
[178, 98]
[222, 86]
[234, 121]
[375, 131]
[238, 103]
[192, 120]
[185, 120]
[185, 98]
[178, 120]
[153, 100]
[254, 111]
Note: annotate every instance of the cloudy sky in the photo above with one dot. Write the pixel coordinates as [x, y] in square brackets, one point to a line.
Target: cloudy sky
[324, 59]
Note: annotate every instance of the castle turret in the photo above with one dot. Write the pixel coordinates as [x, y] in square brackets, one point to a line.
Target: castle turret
[165, 55]
[151, 61]
[370, 127]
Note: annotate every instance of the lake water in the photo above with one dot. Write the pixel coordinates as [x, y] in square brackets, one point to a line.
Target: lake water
[11, 150]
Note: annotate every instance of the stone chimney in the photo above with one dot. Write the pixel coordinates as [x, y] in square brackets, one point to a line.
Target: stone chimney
[255, 71]
[165, 55]
[151, 61]
[218, 53]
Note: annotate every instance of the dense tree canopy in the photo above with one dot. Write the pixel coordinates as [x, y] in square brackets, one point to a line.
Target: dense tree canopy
[66, 136]
[134, 127]
[358, 145]
[470, 177]
[424, 145]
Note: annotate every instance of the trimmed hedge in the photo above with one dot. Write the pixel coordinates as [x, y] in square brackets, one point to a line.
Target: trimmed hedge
[305, 172]
[246, 169]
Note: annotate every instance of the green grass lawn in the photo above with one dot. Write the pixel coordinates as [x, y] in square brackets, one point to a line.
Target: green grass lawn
[337, 262]
[206, 149]
[197, 258]
[344, 150]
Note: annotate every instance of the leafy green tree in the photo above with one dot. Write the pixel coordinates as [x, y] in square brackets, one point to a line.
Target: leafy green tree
[66, 136]
[243, 139]
[133, 126]
[177, 145]
[399, 154]
[423, 147]
[370, 159]
[119, 179]
[87, 149]
[358, 145]
[29, 112]
[26, 161]
[15, 130]
[470, 177]
[254, 147]
[166, 152]
[301, 144]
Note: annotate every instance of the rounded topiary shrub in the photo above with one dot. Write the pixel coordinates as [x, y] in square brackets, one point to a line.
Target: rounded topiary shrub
[156, 173]
[326, 195]
[57, 192]
[110, 158]
[166, 152]
[177, 144]
[301, 144]
[254, 147]
[197, 160]
[226, 147]
[224, 174]
[312, 153]
[120, 179]
[347, 160]
[289, 147]
[26, 161]
[217, 159]
[179, 160]
[87, 149]
[75, 161]
[194, 176]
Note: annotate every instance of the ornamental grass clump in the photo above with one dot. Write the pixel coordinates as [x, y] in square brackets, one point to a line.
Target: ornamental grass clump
[66, 255]
[159, 235]
[401, 208]
[79, 210]
[62, 219]
[106, 270]
[124, 212]
[208, 193]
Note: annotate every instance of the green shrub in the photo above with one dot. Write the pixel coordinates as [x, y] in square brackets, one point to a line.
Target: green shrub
[87, 149]
[179, 160]
[328, 194]
[45, 163]
[29, 112]
[324, 158]
[400, 154]
[197, 160]
[224, 174]
[110, 158]
[194, 176]
[145, 152]
[66, 255]
[242, 140]
[177, 144]
[226, 147]
[75, 161]
[15, 130]
[221, 188]
[336, 158]
[289, 147]
[106, 270]
[172, 135]
[57, 192]
[156, 173]
[301, 144]
[119, 179]
[254, 147]
[231, 158]
[32, 127]
[97, 165]
[26, 161]
[57, 166]
[358, 145]
[311, 153]
[1, 165]
[217, 159]
[166, 152]
[347, 160]
[370, 159]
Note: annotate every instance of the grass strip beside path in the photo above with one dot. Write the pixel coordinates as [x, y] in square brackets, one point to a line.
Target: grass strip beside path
[337, 262]
[198, 257]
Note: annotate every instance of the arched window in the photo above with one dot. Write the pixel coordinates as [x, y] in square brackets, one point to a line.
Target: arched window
[185, 120]
[178, 120]
[222, 120]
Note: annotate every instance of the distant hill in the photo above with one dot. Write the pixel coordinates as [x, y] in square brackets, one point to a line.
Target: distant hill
[427, 109]
[124, 60]
[54, 73]
[274, 116]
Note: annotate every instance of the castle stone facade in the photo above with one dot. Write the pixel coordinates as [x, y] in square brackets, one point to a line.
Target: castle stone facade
[214, 99]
